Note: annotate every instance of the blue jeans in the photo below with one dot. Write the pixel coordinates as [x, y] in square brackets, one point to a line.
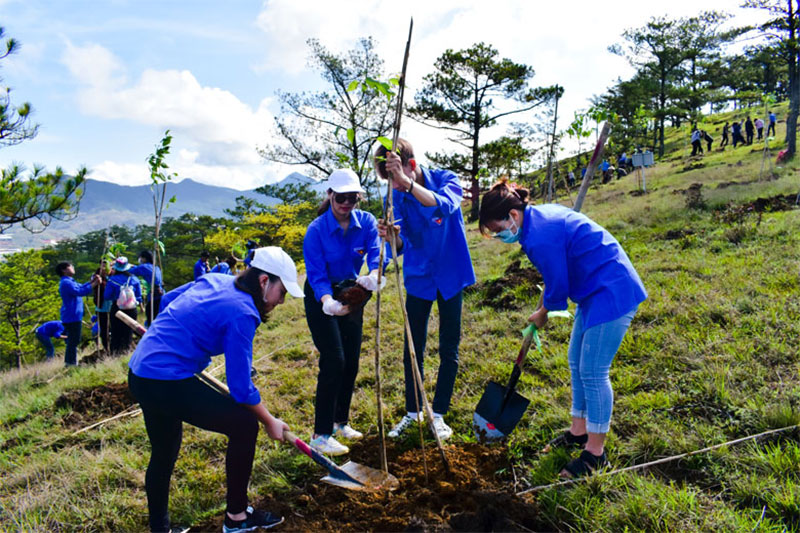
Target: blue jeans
[73, 332]
[591, 352]
[419, 310]
[49, 351]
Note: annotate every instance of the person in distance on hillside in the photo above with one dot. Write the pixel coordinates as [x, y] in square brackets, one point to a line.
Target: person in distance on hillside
[334, 249]
[102, 306]
[145, 270]
[437, 267]
[771, 126]
[50, 330]
[759, 124]
[725, 130]
[736, 129]
[207, 317]
[72, 308]
[707, 138]
[201, 267]
[697, 144]
[225, 267]
[749, 130]
[579, 260]
[125, 292]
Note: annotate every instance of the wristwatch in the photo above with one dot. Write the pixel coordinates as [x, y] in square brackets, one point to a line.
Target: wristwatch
[410, 187]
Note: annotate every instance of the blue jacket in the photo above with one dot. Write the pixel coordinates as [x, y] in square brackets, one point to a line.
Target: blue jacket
[174, 293]
[200, 269]
[211, 317]
[145, 271]
[434, 239]
[332, 256]
[118, 280]
[71, 292]
[222, 268]
[580, 260]
[54, 328]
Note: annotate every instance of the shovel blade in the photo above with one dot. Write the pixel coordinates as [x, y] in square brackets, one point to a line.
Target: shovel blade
[493, 420]
[363, 478]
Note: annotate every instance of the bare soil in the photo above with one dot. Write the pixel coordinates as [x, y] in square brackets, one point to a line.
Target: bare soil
[93, 404]
[497, 291]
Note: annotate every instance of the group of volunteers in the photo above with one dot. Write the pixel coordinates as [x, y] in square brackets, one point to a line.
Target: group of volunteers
[578, 260]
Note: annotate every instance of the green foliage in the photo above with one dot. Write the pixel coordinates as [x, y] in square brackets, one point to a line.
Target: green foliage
[291, 194]
[27, 299]
[15, 125]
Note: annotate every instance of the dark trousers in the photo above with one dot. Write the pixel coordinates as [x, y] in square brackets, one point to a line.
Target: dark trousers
[49, 350]
[737, 138]
[121, 334]
[165, 405]
[724, 141]
[419, 310]
[338, 339]
[771, 128]
[749, 136]
[151, 314]
[73, 332]
[760, 132]
[697, 147]
[102, 327]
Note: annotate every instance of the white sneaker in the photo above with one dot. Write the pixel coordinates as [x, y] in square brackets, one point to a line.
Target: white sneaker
[346, 432]
[328, 445]
[401, 427]
[442, 429]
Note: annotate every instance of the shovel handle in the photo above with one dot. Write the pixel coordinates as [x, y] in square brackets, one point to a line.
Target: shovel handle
[528, 339]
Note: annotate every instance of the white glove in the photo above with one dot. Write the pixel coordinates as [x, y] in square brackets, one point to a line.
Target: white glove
[370, 282]
[332, 307]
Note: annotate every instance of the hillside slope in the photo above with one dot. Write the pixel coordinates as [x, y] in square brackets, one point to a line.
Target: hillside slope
[713, 355]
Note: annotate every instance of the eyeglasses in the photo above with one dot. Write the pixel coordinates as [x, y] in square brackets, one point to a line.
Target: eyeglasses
[346, 198]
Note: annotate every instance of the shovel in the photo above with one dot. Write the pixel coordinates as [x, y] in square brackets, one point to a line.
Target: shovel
[351, 475]
[501, 408]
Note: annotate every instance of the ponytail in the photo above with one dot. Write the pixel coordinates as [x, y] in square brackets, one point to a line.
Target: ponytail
[499, 201]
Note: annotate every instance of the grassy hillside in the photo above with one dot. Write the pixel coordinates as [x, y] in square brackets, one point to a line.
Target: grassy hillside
[713, 355]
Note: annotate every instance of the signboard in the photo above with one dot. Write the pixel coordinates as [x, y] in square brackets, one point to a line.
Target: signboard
[644, 159]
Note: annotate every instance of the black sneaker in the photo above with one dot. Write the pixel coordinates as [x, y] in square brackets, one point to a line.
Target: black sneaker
[255, 519]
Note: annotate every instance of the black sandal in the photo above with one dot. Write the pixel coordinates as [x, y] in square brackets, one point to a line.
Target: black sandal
[567, 440]
[585, 464]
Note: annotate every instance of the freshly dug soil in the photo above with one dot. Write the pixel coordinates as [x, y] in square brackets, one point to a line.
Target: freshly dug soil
[478, 495]
[774, 203]
[93, 404]
[497, 291]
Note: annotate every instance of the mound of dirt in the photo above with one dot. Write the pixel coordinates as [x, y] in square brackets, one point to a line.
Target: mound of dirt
[478, 495]
[93, 358]
[497, 292]
[92, 404]
[774, 203]
[675, 234]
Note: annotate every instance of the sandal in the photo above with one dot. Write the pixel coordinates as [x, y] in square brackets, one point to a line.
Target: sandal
[585, 464]
[566, 440]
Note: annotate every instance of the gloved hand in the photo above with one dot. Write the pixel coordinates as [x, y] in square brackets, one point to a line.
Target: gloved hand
[370, 281]
[333, 307]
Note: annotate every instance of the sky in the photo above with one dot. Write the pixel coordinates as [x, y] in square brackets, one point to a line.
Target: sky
[106, 78]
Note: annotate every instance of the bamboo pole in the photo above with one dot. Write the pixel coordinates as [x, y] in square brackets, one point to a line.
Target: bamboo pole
[592, 166]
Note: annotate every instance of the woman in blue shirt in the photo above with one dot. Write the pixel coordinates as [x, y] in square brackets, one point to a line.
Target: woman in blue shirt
[334, 249]
[213, 315]
[145, 270]
[121, 334]
[579, 260]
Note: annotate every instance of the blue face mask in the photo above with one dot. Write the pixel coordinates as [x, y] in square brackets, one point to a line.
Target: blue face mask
[508, 235]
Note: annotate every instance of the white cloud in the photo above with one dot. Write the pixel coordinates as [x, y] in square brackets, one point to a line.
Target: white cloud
[215, 133]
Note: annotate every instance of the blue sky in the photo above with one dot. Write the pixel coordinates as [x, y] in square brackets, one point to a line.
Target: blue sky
[106, 78]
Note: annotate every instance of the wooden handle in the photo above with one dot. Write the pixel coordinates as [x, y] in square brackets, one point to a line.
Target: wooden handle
[131, 323]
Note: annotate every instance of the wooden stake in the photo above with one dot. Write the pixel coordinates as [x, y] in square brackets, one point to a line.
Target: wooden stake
[592, 166]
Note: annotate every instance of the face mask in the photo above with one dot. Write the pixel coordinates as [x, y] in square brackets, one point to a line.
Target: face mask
[508, 235]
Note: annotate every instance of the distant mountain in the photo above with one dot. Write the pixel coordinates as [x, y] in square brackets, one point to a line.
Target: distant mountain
[105, 204]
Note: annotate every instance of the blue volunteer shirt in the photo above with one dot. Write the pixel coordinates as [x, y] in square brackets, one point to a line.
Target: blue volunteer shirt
[200, 269]
[772, 117]
[71, 292]
[332, 256]
[210, 317]
[222, 268]
[145, 271]
[434, 239]
[54, 328]
[580, 260]
[171, 295]
[118, 280]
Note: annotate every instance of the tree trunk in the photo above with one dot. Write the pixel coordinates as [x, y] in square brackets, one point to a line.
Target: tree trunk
[475, 182]
[550, 188]
[17, 326]
[794, 83]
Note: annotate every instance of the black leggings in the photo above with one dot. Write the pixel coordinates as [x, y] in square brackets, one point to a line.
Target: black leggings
[121, 333]
[166, 404]
[338, 339]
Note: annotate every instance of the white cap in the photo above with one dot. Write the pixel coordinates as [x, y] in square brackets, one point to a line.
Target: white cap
[274, 260]
[344, 180]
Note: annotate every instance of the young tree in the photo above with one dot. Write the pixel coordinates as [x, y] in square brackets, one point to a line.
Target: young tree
[334, 128]
[26, 300]
[468, 91]
[783, 29]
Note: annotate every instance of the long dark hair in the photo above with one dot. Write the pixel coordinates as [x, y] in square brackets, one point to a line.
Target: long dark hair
[499, 201]
[249, 282]
[326, 203]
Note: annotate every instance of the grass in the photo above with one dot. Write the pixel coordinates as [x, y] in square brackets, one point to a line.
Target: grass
[712, 355]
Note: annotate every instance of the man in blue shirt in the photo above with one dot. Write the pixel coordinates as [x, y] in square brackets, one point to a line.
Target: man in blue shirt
[771, 126]
[437, 267]
[145, 270]
[225, 267]
[214, 315]
[72, 308]
[53, 329]
[201, 268]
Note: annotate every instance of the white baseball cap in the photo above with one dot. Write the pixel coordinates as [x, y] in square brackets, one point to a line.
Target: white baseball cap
[274, 260]
[344, 180]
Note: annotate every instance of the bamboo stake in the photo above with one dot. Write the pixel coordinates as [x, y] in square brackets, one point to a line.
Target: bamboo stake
[656, 462]
[592, 166]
